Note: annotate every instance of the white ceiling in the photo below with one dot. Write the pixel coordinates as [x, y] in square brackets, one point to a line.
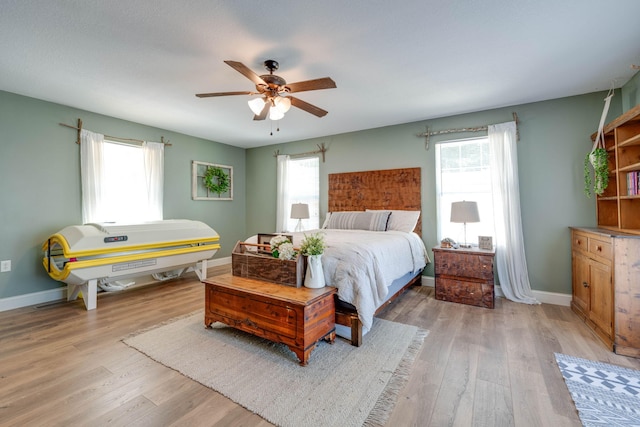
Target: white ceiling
[393, 62]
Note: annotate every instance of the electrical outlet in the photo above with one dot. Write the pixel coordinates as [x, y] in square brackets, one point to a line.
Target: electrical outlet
[5, 266]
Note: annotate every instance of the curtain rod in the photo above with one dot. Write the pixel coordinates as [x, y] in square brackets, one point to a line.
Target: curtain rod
[114, 138]
[321, 149]
[428, 134]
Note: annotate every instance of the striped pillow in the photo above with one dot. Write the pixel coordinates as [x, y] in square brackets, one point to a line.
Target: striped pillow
[372, 221]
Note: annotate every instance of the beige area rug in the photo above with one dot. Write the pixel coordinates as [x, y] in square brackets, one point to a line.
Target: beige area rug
[342, 385]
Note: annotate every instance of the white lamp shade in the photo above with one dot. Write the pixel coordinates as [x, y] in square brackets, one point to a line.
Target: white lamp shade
[282, 104]
[464, 212]
[300, 211]
[275, 114]
[256, 105]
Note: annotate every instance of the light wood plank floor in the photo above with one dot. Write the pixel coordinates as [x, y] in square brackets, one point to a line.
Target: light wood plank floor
[61, 365]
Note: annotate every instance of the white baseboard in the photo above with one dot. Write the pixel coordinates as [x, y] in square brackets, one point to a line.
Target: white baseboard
[554, 298]
[60, 293]
[33, 298]
[428, 281]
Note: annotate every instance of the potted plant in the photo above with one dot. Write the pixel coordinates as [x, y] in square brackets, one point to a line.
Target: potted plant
[312, 247]
[598, 159]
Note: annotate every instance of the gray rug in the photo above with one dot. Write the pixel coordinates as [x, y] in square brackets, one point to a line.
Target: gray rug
[342, 385]
[605, 395]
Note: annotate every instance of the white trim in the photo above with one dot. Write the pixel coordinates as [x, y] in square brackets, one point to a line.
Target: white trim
[554, 298]
[33, 298]
[57, 294]
[429, 281]
[43, 297]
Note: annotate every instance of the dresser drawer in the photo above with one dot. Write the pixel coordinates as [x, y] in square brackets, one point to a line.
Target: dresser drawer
[592, 245]
[600, 248]
[580, 242]
[464, 265]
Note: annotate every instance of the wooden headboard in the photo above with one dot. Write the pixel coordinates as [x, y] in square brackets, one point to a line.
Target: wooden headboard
[380, 189]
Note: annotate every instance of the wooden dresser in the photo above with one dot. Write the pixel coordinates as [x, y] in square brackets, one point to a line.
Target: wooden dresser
[297, 317]
[464, 275]
[606, 286]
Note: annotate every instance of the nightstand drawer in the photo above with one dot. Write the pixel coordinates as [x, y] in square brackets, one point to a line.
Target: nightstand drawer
[464, 265]
[472, 293]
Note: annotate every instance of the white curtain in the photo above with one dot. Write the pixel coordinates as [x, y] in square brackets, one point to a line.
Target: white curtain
[510, 257]
[92, 174]
[153, 153]
[283, 198]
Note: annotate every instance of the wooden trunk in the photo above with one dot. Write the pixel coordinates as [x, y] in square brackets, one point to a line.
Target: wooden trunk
[254, 265]
[298, 318]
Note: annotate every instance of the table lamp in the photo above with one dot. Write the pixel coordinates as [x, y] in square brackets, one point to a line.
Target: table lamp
[299, 211]
[464, 212]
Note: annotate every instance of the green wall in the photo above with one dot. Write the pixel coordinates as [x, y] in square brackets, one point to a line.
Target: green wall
[40, 177]
[631, 93]
[554, 138]
[40, 183]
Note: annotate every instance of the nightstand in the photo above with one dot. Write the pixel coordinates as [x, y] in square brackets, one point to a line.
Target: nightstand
[464, 275]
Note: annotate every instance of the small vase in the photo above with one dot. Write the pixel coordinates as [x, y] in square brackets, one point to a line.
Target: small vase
[314, 277]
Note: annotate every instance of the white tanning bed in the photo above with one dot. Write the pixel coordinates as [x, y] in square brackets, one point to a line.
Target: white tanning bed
[83, 255]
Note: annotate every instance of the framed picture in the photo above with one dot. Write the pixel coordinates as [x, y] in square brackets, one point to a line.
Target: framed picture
[211, 181]
[485, 242]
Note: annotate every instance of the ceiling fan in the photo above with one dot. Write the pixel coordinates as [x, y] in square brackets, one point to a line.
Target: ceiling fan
[273, 89]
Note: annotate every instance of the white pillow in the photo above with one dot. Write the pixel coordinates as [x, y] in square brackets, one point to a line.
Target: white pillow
[371, 221]
[326, 219]
[401, 220]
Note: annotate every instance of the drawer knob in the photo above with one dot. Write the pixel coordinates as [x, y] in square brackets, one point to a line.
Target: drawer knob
[599, 248]
[585, 284]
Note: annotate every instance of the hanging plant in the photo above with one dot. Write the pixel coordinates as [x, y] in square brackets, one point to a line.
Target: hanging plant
[216, 180]
[598, 159]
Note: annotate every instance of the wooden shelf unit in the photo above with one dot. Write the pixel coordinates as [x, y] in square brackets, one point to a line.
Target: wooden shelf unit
[606, 286]
[616, 209]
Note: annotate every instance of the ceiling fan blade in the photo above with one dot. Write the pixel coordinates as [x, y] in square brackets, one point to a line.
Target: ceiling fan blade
[263, 114]
[323, 83]
[246, 71]
[208, 95]
[316, 111]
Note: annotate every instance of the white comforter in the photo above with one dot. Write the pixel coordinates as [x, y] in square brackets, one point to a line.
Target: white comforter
[362, 264]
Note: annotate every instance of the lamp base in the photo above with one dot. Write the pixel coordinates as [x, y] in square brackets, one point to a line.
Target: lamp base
[299, 226]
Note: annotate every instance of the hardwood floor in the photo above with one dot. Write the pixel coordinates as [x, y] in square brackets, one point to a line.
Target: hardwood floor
[61, 365]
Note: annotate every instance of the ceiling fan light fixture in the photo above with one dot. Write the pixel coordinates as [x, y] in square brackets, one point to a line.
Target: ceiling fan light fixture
[282, 103]
[256, 105]
[275, 114]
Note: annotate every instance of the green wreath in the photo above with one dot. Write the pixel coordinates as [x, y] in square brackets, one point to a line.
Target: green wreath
[216, 180]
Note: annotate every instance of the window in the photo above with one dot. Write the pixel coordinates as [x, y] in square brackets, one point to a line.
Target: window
[121, 182]
[300, 184]
[463, 173]
[304, 187]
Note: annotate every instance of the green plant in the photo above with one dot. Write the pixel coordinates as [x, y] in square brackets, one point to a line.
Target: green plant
[216, 180]
[312, 244]
[598, 159]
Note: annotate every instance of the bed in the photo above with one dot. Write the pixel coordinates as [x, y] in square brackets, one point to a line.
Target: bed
[371, 265]
[369, 269]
